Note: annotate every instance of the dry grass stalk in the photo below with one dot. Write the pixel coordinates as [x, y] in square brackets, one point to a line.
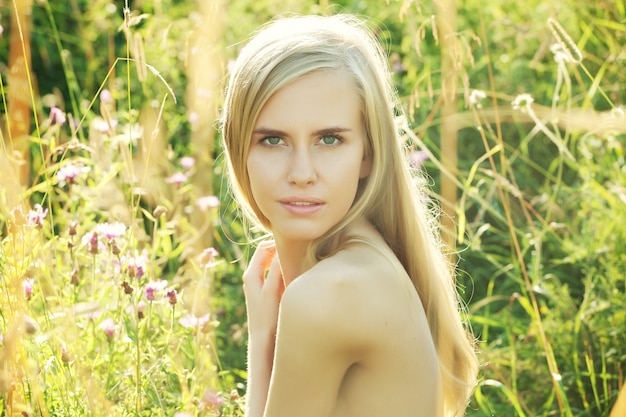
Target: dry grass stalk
[14, 154]
[205, 70]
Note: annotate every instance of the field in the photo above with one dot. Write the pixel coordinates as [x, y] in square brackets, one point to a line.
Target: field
[121, 249]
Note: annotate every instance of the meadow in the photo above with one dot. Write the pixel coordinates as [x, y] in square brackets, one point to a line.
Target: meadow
[121, 249]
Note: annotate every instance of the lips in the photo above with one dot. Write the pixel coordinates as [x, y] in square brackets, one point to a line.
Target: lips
[302, 206]
[302, 201]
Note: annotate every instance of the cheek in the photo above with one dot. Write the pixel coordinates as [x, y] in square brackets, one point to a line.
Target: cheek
[253, 179]
[255, 169]
[351, 176]
[259, 176]
[258, 192]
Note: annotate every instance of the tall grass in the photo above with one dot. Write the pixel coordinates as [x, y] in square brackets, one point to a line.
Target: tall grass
[106, 265]
[119, 287]
[562, 249]
[542, 203]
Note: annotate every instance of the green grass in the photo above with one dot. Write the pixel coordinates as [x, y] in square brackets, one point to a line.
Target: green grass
[141, 320]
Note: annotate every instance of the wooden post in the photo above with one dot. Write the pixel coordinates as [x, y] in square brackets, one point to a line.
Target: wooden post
[18, 90]
[446, 26]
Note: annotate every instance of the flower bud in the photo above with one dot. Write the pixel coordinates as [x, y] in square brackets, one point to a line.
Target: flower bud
[128, 289]
[172, 297]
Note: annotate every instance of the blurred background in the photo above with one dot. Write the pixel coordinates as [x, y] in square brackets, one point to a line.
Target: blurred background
[109, 119]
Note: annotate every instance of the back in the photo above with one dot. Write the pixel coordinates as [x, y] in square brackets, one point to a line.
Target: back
[378, 357]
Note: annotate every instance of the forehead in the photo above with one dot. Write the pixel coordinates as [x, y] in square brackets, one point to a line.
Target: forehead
[324, 96]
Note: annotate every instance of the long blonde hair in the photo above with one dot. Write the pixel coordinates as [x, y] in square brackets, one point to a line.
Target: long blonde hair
[289, 48]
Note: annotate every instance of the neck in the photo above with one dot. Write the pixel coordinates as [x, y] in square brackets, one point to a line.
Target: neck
[293, 262]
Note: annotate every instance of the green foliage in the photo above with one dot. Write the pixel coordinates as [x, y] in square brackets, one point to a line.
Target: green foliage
[541, 243]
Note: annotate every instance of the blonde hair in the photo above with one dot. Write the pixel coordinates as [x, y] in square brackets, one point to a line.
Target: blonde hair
[289, 48]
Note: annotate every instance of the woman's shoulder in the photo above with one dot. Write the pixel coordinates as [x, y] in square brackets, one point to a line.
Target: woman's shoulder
[363, 283]
[365, 258]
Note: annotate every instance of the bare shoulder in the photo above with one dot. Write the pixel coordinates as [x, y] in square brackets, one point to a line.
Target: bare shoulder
[354, 330]
[354, 295]
[353, 272]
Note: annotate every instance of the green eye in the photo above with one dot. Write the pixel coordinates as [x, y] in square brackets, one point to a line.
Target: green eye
[272, 140]
[329, 140]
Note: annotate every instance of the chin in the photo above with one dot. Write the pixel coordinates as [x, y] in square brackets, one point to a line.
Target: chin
[304, 234]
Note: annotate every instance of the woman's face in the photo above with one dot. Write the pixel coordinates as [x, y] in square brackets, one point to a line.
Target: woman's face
[307, 155]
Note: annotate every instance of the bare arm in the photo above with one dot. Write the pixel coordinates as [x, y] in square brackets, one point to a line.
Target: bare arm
[320, 335]
[263, 287]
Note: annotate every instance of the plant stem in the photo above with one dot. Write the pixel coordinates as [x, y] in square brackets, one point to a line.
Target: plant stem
[138, 365]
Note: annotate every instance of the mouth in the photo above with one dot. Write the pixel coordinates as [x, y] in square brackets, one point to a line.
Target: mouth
[302, 203]
[300, 206]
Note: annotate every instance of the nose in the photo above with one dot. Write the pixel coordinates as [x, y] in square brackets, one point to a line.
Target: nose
[302, 167]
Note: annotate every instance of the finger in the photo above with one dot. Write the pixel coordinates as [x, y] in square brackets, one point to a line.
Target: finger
[269, 254]
[264, 254]
[274, 279]
[260, 262]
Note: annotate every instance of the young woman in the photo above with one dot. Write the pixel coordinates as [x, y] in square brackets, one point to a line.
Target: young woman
[352, 308]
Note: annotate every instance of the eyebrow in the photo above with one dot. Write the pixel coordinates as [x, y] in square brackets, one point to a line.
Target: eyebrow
[320, 132]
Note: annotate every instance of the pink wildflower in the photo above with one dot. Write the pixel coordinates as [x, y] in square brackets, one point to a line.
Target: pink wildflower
[207, 257]
[27, 285]
[136, 265]
[106, 96]
[187, 162]
[108, 327]
[104, 126]
[212, 399]
[57, 117]
[111, 230]
[36, 216]
[178, 178]
[207, 202]
[93, 243]
[69, 173]
[152, 288]
[191, 321]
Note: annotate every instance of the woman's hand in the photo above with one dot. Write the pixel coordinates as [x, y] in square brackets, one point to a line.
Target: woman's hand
[263, 287]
